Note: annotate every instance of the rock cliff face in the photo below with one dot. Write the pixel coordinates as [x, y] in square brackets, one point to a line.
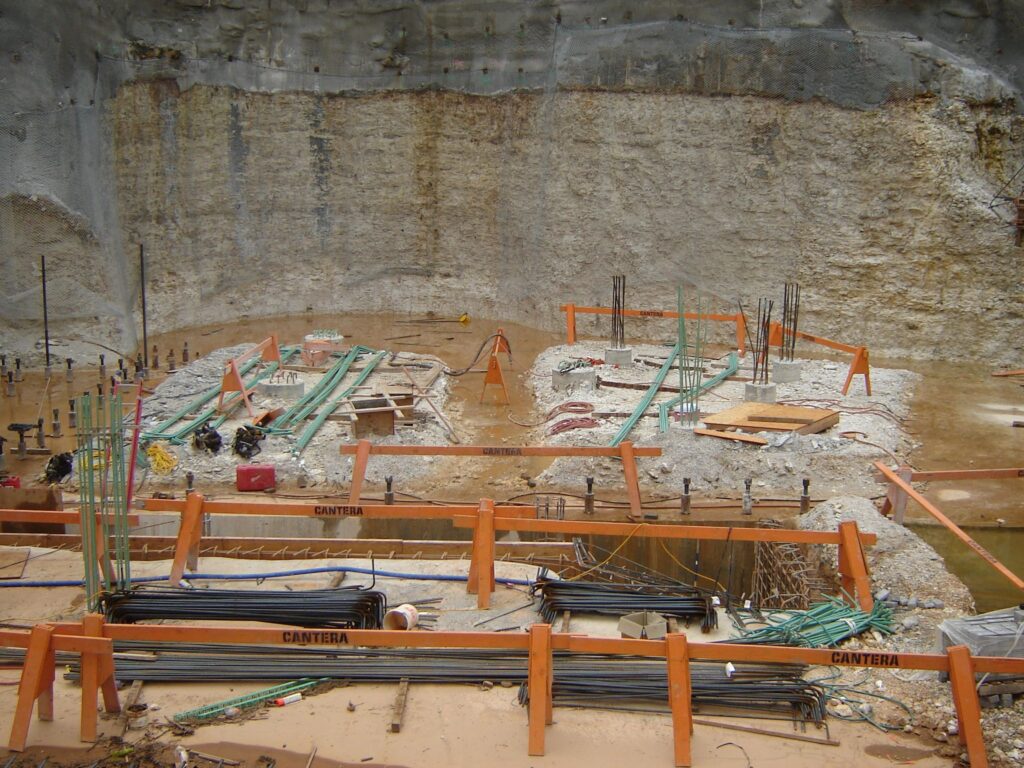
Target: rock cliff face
[503, 159]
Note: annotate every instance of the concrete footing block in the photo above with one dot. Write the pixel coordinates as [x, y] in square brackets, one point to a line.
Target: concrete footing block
[759, 393]
[620, 357]
[577, 378]
[786, 371]
[283, 391]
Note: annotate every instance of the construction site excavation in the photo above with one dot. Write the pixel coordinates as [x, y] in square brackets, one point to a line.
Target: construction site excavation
[537, 385]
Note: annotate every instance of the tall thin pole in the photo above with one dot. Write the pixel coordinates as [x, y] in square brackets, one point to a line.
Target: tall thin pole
[46, 312]
[142, 279]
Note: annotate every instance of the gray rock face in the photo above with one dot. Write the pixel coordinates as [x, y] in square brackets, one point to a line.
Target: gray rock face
[440, 151]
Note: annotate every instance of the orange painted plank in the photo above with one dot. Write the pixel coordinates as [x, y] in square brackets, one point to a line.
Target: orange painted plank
[649, 531]
[496, 450]
[1007, 473]
[737, 436]
[48, 516]
[956, 530]
[324, 509]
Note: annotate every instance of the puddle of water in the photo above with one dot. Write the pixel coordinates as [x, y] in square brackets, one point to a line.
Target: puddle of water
[991, 590]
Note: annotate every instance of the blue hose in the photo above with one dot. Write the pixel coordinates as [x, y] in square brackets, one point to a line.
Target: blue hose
[274, 575]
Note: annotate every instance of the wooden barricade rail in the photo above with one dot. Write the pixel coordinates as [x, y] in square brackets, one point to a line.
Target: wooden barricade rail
[267, 349]
[571, 310]
[94, 637]
[625, 451]
[901, 482]
[853, 568]
[195, 506]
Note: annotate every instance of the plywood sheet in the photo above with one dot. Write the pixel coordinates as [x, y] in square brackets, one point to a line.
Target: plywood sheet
[761, 417]
[12, 562]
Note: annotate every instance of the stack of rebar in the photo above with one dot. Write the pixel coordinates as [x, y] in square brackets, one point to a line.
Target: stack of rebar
[620, 599]
[346, 608]
[618, 304]
[579, 679]
[790, 318]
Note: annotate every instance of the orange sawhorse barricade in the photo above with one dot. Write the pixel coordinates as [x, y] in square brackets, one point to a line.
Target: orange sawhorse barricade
[625, 451]
[232, 380]
[859, 366]
[900, 489]
[195, 506]
[493, 374]
[571, 310]
[95, 637]
[853, 567]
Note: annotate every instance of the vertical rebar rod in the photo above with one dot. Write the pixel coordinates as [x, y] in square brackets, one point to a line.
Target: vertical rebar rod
[142, 281]
[618, 304]
[46, 310]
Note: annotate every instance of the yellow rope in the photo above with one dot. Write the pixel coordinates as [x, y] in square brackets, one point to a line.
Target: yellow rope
[613, 554]
[161, 460]
[689, 570]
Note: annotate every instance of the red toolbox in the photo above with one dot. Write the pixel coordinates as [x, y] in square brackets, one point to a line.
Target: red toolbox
[255, 477]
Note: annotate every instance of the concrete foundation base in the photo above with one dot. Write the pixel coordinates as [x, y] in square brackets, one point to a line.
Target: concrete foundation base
[759, 393]
[620, 357]
[577, 378]
[786, 371]
[285, 391]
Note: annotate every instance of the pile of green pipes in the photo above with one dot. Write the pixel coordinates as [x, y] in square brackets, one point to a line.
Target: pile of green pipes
[823, 625]
[203, 411]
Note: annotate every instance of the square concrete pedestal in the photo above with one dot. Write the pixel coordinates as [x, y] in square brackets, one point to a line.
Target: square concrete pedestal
[759, 393]
[786, 371]
[620, 357]
[575, 378]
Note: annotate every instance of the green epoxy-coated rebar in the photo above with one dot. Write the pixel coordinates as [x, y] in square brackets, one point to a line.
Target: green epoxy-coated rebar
[731, 367]
[649, 395]
[331, 380]
[250, 700]
[330, 407]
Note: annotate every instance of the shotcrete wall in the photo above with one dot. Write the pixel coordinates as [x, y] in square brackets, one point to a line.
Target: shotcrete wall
[503, 157]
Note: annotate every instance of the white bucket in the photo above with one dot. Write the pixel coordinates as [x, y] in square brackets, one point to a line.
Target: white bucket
[404, 616]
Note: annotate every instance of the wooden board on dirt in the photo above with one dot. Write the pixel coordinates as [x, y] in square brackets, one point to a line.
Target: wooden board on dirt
[12, 562]
[739, 437]
[764, 417]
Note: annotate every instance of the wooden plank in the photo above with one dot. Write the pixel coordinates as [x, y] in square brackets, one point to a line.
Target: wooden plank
[12, 563]
[737, 436]
[130, 701]
[758, 417]
[767, 732]
[398, 711]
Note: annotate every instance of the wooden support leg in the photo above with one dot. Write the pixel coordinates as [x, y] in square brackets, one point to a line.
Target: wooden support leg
[680, 695]
[632, 479]
[775, 335]
[968, 708]
[481, 565]
[539, 681]
[97, 675]
[896, 498]
[359, 470]
[859, 365]
[741, 334]
[853, 566]
[188, 536]
[570, 324]
[37, 675]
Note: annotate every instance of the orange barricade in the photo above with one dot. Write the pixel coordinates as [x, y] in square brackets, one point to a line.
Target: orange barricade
[571, 310]
[494, 374]
[625, 451]
[858, 366]
[232, 380]
[94, 638]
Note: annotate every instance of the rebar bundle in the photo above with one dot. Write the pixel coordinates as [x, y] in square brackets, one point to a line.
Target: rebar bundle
[760, 340]
[790, 319]
[100, 460]
[620, 599]
[579, 679]
[825, 624]
[618, 304]
[595, 681]
[691, 362]
[344, 608]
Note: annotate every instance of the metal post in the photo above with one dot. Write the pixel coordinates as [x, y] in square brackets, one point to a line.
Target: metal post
[389, 494]
[805, 499]
[684, 502]
[142, 281]
[748, 501]
[588, 498]
[46, 316]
